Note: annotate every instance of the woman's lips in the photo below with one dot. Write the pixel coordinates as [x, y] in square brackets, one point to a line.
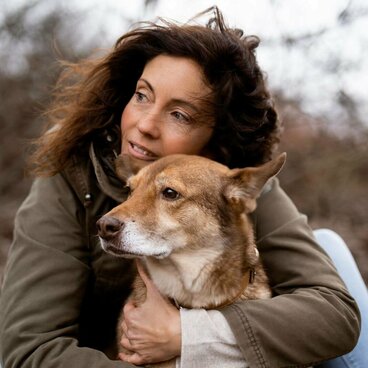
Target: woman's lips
[141, 152]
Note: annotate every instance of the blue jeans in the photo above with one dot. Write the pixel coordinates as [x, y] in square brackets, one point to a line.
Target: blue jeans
[344, 262]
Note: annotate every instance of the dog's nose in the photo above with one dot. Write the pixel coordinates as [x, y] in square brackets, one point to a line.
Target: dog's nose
[108, 227]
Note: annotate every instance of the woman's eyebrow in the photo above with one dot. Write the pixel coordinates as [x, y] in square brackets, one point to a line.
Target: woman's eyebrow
[178, 101]
[190, 105]
[149, 85]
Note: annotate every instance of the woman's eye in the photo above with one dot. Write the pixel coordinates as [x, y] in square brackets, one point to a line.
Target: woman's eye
[170, 194]
[140, 97]
[180, 116]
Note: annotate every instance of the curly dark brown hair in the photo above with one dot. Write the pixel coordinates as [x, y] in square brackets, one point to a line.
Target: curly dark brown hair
[91, 95]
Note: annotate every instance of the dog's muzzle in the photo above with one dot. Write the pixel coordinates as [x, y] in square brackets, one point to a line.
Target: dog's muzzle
[109, 227]
[108, 230]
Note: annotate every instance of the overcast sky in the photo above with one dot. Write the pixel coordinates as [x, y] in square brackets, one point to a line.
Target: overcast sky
[313, 71]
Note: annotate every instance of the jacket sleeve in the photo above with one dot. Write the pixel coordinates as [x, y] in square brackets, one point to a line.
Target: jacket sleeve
[45, 281]
[311, 317]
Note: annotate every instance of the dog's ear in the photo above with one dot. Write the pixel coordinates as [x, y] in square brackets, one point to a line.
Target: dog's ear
[124, 167]
[246, 184]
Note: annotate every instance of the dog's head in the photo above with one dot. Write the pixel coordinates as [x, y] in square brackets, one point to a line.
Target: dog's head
[181, 202]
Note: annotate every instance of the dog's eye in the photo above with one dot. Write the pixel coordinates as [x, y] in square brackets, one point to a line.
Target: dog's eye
[170, 194]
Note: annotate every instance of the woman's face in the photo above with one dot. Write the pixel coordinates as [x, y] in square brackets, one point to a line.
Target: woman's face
[166, 114]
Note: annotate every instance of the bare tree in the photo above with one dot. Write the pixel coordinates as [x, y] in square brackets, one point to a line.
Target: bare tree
[29, 47]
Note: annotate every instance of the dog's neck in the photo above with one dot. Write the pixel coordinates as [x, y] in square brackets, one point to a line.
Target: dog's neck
[199, 279]
[248, 278]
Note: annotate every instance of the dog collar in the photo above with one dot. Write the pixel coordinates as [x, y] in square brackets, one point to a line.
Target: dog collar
[248, 278]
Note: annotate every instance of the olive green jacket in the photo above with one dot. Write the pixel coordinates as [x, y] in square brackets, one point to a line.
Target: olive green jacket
[62, 294]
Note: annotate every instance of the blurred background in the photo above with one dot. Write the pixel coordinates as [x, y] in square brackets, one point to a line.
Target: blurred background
[313, 52]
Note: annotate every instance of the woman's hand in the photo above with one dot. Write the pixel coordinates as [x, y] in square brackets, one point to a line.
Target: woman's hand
[151, 331]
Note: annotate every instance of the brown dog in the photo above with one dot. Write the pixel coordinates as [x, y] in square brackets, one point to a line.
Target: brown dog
[187, 218]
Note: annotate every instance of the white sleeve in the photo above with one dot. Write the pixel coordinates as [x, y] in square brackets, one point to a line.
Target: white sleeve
[207, 341]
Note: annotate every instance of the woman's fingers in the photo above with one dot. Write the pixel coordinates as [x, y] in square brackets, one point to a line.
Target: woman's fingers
[134, 358]
[151, 332]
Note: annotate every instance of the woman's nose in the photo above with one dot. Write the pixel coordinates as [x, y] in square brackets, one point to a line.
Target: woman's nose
[149, 124]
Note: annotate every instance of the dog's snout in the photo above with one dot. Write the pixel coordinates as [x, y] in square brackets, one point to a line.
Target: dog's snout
[108, 227]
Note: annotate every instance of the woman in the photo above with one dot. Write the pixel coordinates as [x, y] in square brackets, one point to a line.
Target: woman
[164, 89]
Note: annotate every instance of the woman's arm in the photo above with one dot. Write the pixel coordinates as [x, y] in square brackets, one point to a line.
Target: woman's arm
[312, 317]
[45, 284]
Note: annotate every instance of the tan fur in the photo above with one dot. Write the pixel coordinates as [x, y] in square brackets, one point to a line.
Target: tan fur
[198, 248]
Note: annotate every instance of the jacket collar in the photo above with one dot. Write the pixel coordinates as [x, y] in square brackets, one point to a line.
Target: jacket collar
[103, 152]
